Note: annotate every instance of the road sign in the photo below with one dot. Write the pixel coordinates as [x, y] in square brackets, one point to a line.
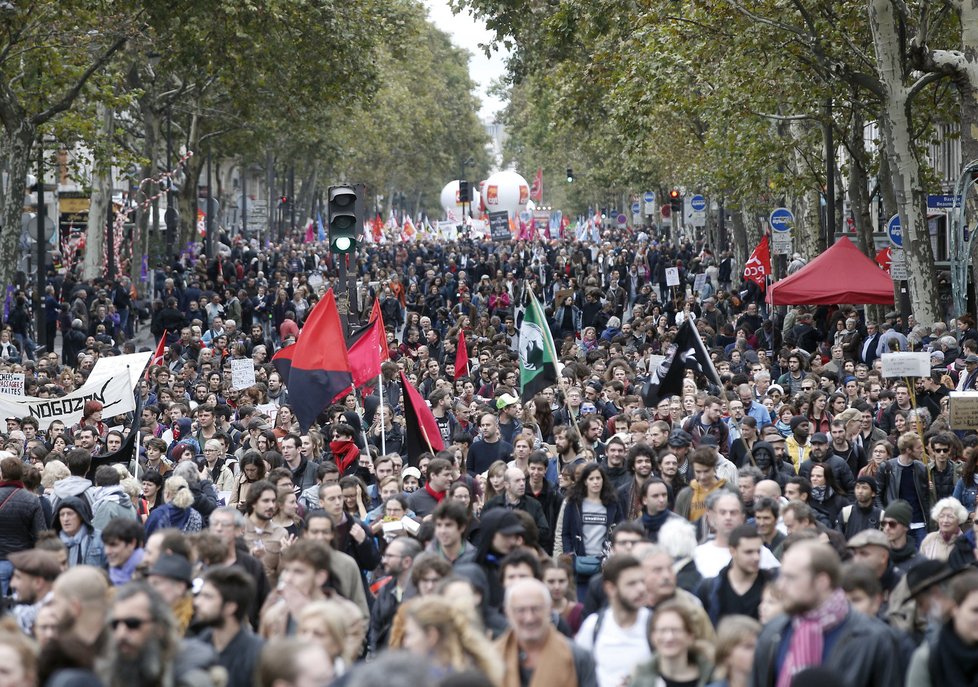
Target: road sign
[622, 220]
[781, 220]
[943, 202]
[636, 208]
[697, 206]
[649, 199]
[898, 265]
[781, 243]
[895, 232]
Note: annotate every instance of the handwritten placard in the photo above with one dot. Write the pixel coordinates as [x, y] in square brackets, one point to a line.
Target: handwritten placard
[699, 281]
[672, 276]
[963, 410]
[906, 364]
[12, 383]
[242, 373]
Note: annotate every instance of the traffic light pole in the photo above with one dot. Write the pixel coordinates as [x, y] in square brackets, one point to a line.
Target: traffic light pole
[42, 214]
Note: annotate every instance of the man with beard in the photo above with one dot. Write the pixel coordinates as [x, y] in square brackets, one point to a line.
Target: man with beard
[655, 507]
[222, 606]
[617, 636]
[263, 536]
[819, 454]
[146, 648]
[737, 589]
[864, 514]
[568, 443]
[820, 628]
[614, 462]
[641, 458]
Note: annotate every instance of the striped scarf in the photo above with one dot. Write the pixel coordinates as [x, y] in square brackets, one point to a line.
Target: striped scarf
[807, 640]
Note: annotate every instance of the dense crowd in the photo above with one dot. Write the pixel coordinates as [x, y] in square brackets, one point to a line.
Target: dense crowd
[806, 521]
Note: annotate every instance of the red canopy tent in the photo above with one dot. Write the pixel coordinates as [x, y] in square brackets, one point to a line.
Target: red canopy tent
[842, 274]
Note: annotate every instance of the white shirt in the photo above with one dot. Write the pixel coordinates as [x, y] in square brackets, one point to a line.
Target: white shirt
[617, 650]
[710, 559]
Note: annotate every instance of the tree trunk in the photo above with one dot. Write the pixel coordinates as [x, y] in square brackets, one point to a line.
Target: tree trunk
[140, 242]
[93, 264]
[904, 164]
[807, 230]
[17, 146]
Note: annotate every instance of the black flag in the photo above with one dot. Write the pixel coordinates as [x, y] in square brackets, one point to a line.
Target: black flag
[128, 453]
[688, 353]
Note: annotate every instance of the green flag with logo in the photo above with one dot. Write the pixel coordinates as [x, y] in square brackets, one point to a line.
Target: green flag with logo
[538, 363]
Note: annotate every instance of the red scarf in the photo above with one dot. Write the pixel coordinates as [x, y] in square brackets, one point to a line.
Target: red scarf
[344, 453]
[436, 495]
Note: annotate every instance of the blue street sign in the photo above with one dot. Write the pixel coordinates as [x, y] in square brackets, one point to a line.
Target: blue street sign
[697, 203]
[649, 197]
[781, 220]
[636, 208]
[943, 202]
[895, 232]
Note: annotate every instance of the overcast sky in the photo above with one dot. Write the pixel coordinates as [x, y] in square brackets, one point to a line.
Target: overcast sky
[468, 33]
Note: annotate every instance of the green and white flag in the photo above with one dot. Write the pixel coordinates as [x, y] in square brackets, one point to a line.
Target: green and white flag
[538, 363]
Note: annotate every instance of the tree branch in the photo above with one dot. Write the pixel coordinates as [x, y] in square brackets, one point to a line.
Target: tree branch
[68, 98]
[921, 83]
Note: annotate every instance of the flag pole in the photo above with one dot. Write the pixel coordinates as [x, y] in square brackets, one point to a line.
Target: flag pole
[383, 430]
[548, 340]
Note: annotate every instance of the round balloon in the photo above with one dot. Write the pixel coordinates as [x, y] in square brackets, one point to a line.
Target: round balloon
[452, 204]
[506, 191]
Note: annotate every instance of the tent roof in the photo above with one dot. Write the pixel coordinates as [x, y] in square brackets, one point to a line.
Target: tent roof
[842, 274]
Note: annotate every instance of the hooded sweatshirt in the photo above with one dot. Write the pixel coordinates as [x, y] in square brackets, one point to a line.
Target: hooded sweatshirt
[85, 546]
[68, 487]
[111, 502]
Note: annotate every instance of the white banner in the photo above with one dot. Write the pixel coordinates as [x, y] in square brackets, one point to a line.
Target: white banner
[906, 364]
[115, 394]
[12, 383]
[111, 366]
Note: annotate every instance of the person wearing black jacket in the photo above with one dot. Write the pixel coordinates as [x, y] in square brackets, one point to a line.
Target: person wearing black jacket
[864, 514]
[21, 517]
[858, 649]
[514, 498]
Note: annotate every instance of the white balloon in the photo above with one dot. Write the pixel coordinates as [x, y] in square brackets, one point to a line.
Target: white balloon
[506, 191]
[452, 204]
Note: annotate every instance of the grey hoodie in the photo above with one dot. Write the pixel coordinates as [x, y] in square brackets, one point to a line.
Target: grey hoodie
[71, 486]
[109, 503]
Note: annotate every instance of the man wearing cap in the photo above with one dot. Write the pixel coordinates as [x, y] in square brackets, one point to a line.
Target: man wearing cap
[819, 455]
[709, 421]
[172, 577]
[797, 446]
[896, 527]
[35, 571]
[871, 548]
[514, 497]
[500, 531]
[864, 514]
[509, 422]
[968, 378]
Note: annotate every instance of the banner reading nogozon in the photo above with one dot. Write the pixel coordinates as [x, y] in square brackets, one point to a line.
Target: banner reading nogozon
[110, 383]
[115, 394]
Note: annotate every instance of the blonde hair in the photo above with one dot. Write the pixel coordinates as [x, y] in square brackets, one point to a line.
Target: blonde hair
[460, 645]
[177, 491]
[52, 472]
[333, 617]
[24, 647]
[731, 632]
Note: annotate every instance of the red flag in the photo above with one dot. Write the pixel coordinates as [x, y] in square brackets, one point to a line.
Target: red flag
[421, 433]
[758, 266]
[377, 228]
[159, 355]
[536, 191]
[461, 356]
[884, 258]
[364, 353]
[376, 314]
[320, 369]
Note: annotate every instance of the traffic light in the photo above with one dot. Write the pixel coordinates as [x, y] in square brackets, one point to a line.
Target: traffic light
[345, 222]
[570, 175]
[675, 200]
[283, 201]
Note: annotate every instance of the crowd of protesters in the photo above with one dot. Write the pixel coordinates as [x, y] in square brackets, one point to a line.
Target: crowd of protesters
[807, 521]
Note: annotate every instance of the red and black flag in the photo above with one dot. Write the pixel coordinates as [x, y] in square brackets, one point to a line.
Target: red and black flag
[282, 362]
[421, 433]
[320, 369]
[365, 351]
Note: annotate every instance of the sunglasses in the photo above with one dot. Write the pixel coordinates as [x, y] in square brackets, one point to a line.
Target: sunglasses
[940, 450]
[130, 623]
[887, 524]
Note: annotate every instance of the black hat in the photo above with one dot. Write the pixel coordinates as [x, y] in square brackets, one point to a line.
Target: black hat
[869, 482]
[680, 437]
[709, 440]
[819, 438]
[926, 574]
[797, 420]
[173, 566]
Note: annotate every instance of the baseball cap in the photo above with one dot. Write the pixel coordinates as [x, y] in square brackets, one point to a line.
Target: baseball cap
[972, 358]
[819, 438]
[411, 472]
[506, 400]
[173, 566]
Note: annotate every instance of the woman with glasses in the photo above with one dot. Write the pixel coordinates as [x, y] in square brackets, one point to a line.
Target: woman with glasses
[879, 453]
[677, 657]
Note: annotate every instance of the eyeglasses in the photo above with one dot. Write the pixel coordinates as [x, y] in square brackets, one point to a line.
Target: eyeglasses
[887, 524]
[934, 449]
[130, 623]
[808, 388]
